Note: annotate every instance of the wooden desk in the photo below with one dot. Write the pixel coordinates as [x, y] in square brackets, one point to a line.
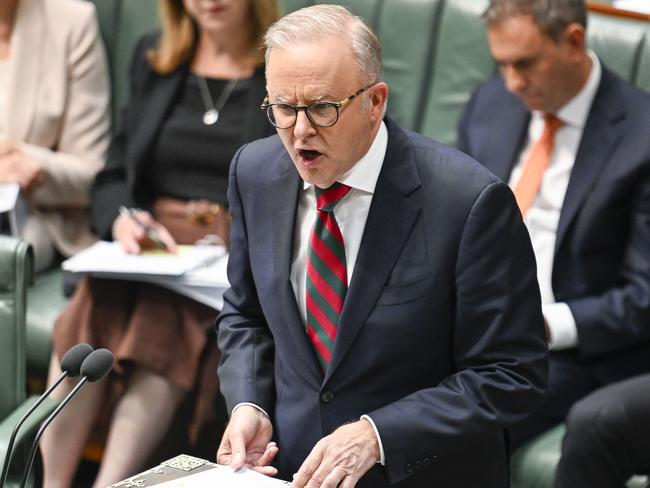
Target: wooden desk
[607, 9]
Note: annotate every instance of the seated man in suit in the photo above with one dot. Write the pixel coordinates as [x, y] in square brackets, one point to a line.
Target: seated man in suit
[384, 325]
[608, 436]
[571, 138]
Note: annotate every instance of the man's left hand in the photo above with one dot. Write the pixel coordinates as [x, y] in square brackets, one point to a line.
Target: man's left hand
[340, 459]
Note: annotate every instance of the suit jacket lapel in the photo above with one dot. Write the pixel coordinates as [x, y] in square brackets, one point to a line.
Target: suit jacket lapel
[391, 209]
[285, 191]
[602, 133]
[27, 63]
[506, 139]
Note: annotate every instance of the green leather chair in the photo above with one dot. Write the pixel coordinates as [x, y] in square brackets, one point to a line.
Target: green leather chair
[15, 274]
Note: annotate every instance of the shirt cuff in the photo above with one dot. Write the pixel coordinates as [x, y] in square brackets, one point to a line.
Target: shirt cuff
[561, 325]
[256, 407]
[382, 458]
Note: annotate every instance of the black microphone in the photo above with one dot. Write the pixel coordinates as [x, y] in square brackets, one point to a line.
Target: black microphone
[94, 368]
[70, 365]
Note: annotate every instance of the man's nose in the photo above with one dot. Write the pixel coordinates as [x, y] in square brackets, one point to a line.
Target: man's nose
[515, 81]
[303, 128]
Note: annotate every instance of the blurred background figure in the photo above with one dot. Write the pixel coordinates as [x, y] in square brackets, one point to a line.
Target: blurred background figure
[572, 142]
[195, 94]
[608, 437]
[54, 118]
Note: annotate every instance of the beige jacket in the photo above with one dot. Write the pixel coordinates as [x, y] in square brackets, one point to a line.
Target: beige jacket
[58, 108]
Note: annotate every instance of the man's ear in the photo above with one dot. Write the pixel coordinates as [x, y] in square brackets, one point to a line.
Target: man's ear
[378, 98]
[575, 38]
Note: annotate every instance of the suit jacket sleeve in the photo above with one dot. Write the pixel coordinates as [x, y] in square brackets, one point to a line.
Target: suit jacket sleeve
[619, 317]
[110, 188]
[85, 127]
[246, 369]
[499, 346]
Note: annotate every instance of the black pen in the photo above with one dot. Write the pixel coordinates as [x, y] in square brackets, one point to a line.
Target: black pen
[150, 231]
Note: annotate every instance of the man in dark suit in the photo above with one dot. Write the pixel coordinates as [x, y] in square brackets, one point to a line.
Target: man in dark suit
[571, 138]
[410, 375]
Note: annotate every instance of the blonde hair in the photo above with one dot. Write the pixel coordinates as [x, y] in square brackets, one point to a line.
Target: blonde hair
[180, 33]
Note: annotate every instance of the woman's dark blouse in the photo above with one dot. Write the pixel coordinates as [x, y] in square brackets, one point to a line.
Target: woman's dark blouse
[162, 147]
[198, 168]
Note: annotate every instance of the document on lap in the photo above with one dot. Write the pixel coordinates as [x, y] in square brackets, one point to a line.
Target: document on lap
[198, 272]
[8, 196]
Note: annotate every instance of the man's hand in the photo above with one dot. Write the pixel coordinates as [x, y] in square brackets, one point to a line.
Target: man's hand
[340, 459]
[16, 167]
[246, 442]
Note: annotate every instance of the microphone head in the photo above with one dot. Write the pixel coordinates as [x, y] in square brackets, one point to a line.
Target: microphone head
[97, 365]
[71, 362]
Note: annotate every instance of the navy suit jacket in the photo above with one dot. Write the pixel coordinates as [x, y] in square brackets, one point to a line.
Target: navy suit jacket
[601, 266]
[441, 338]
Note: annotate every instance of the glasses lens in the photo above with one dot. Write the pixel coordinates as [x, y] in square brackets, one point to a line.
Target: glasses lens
[281, 115]
[323, 114]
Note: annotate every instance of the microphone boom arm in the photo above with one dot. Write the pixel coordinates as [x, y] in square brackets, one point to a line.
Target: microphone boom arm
[14, 433]
[32, 451]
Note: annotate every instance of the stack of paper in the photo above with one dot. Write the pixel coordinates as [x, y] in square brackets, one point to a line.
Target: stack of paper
[198, 272]
[224, 476]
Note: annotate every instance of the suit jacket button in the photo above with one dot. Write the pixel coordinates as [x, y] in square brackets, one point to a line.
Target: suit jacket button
[327, 396]
[409, 468]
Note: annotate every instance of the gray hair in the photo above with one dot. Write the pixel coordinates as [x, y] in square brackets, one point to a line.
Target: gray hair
[312, 24]
[551, 16]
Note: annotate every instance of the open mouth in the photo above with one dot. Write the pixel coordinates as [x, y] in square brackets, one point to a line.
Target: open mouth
[308, 154]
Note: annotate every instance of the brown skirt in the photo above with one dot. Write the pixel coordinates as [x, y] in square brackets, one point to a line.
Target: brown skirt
[151, 327]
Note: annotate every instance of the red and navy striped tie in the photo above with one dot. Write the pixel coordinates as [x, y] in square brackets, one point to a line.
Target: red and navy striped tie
[327, 277]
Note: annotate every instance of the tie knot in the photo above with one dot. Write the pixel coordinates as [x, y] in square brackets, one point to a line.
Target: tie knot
[551, 124]
[327, 198]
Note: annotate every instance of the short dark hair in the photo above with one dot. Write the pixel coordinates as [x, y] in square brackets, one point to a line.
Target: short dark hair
[551, 16]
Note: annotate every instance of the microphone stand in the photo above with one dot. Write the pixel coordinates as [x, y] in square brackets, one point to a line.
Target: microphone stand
[12, 439]
[32, 451]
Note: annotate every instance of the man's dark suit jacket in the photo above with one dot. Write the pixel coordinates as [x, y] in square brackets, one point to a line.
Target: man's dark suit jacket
[151, 97]
[601, 266]
[441, 339]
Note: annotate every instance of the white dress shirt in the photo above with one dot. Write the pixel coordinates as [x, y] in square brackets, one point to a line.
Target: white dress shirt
[543, 216]
[351, 214]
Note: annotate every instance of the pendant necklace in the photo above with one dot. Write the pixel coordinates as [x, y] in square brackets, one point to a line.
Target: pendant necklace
[211, 115]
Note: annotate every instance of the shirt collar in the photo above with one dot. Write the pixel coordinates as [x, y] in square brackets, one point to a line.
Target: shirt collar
[364, 174]
[576, 110]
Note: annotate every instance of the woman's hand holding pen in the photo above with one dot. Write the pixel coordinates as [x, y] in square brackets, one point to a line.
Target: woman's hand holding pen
[137, 230]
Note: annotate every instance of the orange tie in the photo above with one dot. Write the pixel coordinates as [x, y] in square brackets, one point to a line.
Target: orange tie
[540, 155]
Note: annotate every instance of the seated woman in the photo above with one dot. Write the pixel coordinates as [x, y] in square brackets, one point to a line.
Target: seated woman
[194, 100]
[54, 119]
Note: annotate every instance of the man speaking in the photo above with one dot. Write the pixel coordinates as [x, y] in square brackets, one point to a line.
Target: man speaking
[383, 325]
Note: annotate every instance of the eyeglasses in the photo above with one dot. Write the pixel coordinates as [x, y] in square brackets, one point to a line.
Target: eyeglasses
[321, 114]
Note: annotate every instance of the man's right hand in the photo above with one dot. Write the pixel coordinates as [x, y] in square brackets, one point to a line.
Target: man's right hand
[247, 441]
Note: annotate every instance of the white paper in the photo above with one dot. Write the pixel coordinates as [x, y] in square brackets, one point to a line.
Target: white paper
[8, 196]
[109, 257]
[642, 6]
[225, 477]
[205, 283]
